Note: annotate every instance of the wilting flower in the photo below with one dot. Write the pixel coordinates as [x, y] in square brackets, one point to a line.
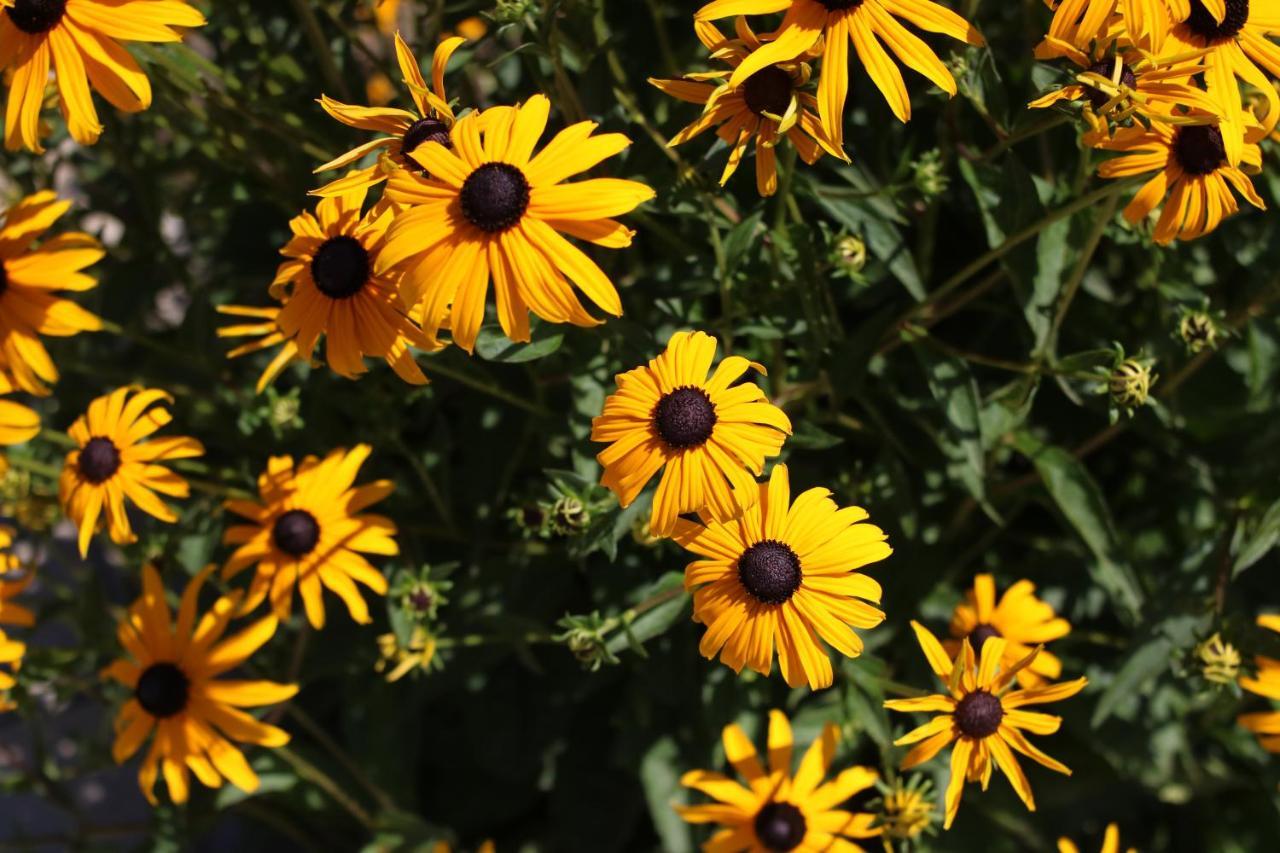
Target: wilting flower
[419, 653]
[1110, 842]
[173, 669]
[1264, 724]
[982, 717]
[79, 41]
[707, 436]
[112, 464]
[1219, 660]
[776, 810]
[1023, 620]
[784, 576]
[489, 209]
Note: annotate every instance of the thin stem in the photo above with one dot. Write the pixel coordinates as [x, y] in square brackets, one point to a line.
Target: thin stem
[321, 780]
[1077, 275]
[1027, 133]
[322, 737]
[320, 48]
[487, 388]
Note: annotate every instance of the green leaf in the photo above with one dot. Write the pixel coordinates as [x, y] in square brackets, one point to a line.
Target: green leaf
[660, 776]
[493, 345]
[1145, 663]
[1251, 546]
[956, 393]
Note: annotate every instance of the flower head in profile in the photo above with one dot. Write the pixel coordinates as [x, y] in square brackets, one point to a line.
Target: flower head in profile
[1110, 842]
[777, 809]
[193, 716]
[784, 576]
[79, 40]
[489, 209]
[307, 531]
[18, 423]
[114, 464]
[402, 132]
[33, 273]
[708, 436]
[982, 717]
[870, 25]
[1266, 683]
[330, 285]
[1023, 620]
[769, 106]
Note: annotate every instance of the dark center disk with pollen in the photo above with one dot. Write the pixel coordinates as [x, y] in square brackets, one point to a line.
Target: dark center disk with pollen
[36, 16]
[4, 279]
[1202, 23]
[780, 826]
[979, 635]
[978, 715]
[768, 91]
[685, 417]
[296, 532]
[1107, 68]
[839, 5]
[770, 571]
[1198, 148]
[162, 690]
[99, 459]
[424, 130]
[340, 267]
[495, 196]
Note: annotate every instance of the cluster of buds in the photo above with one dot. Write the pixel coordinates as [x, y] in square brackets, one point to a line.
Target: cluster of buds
[567, 512]
[929, 174]
[414, 599]
[585, 638]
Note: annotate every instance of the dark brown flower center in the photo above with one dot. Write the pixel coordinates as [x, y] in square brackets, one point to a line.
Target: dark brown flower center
[780, 827]
[162, 690]
[99, 459]
[495, 196]
[1198, 148]
[340, 267]
[978, 714]
[36, 16]
[4, 279]
[685, 417]
[840, 5]
[768, 91]
[424, 130]
[770, 571]
[1107, 68]
[980, 635]
[1210, 31]
[296, 532]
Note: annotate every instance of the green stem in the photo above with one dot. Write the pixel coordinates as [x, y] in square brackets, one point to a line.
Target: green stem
[1027, 133]
[316, 731]
[487, 388]
[308, 771]
[1077, 275]
[320, 48]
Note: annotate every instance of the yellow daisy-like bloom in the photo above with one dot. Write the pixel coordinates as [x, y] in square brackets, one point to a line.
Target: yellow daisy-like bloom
[385, 15]
[1264, 724]
[11, 652]
[308, 532]
[112, 464]
[18, 423]
[491, 209]
[768, 106]
[14, 580]
[418, 653]
[1110, 842]
[1078, 24]
[1023, 620]
[981, 717]
[31, 276]
[1193, 169]
[866, 23]
[331, 285]
[80, 41]
[784, 576]
[776, 810]
[407, 131]
[707, 435]
[173, 669]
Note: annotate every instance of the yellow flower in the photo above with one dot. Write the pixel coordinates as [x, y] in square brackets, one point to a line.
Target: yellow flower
[981, 717]
[490, 209]
[17, 423]
[866, 23]
[385, 14]
[307, 531]
[31, 276]
[80, 41]
[906, 810]
[708, 436]
[1264, 724]
[1023, 620]
[784, 576]
[14, 580]
[1110, 842]
[11, 652]
[777, 810]
[767, 106]
[331, 285]
[173, 669]
[1079, 24]
[1219, 660]
[112, 465]
[418, 653]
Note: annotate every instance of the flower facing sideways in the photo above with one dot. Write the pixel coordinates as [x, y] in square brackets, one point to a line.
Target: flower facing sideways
[1023, 620]
[1264, 724]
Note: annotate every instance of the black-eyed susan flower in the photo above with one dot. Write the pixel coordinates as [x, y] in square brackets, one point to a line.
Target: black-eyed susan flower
[784, 577]
[982, 717]
[33, 271]
[193, 716]
[18, 423]
[1023, 620]
[867, 23]
[1266, 683]
[1080, 25]
[113, 464]
[79, 40]
[776, 809]
[308, 532]
[1193, 180]
[11, 654]
[1110, 842]
[331, 286]
[708, 436]
[404, 131]
[490, 209]
[768, 106]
